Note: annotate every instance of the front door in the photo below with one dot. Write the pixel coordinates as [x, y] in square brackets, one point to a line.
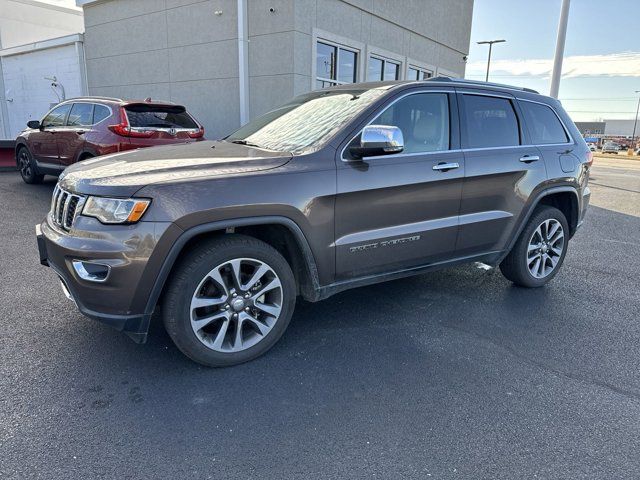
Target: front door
[501, 171]
[43, 143]
[399, 211]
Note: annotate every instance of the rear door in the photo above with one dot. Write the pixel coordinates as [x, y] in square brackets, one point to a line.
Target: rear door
[399, 211]
[43, 143]
[153, 124]
[71, 137]
[501, 171]
[551, 137]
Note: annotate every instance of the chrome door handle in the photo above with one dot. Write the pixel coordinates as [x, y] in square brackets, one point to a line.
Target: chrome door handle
[446, 166]
[529, 158]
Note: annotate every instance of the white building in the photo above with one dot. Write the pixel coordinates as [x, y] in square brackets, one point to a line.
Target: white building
[40, 45]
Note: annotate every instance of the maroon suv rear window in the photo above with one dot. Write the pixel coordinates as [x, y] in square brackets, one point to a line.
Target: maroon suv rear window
[169, 116]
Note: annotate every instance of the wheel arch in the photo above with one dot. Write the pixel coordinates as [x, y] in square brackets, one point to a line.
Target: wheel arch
[280, 232]
[561, 197]
[19, 145]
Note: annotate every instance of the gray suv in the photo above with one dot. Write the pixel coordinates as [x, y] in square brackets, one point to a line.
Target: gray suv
[338, 188]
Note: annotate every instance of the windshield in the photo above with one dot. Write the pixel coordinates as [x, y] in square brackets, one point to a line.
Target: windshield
[306, 122]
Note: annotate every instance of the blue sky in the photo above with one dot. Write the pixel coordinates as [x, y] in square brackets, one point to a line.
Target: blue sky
[602, 52]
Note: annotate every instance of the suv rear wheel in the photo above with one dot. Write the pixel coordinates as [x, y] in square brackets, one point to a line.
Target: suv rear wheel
[27, 167]
[229, 301]
[540, 250]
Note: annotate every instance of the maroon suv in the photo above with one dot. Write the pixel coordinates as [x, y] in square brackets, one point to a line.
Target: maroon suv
[87, 127]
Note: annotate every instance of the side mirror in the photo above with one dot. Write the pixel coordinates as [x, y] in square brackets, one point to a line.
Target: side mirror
[378, 140]
[35, 124]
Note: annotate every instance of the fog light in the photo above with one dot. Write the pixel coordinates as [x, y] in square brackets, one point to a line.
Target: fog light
[90, 271]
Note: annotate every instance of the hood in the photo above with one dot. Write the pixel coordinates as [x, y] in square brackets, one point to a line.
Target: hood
[123, 174]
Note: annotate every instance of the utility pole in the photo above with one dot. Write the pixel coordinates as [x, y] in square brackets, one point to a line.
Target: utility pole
[635, 124]
[557, 60]
[490, 43]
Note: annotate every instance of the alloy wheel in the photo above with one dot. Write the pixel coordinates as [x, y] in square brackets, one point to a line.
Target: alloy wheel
[545, 248]
[236, 305]
[24, 163]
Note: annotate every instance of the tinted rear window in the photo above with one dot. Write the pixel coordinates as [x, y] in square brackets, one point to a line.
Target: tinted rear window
[490, 122]
[543, 124]
[159, 116]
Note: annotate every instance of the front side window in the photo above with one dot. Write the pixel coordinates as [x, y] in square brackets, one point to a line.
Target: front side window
[307, 122]
[490, 122]
[81, 114]
[423, 119]
[543, 124]
[382, 69]
[335, 65]
[57, 116]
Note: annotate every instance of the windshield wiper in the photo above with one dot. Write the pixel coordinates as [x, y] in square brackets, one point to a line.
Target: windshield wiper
[244, 142]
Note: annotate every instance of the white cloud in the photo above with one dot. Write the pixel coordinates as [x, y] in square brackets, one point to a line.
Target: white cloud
[611, 65]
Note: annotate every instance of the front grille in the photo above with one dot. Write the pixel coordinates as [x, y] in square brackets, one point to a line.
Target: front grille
[65, 206]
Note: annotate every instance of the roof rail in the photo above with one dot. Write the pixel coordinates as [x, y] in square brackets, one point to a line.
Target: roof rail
[463, 81]
[94, 97]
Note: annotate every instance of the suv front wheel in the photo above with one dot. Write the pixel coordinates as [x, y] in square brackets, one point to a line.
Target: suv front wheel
[27, 167]
[229, 301]
[539, 251]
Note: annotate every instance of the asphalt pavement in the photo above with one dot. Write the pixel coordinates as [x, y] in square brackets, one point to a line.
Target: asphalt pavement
[454, 374]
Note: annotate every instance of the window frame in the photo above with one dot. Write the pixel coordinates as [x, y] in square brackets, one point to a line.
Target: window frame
[524, 139]
[454, 125]
[73, 104]
[338, 46]
[384, 61]
[570, 139]
[421, 67]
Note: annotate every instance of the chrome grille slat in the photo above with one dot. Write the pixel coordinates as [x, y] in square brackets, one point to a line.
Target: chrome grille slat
[65, 207]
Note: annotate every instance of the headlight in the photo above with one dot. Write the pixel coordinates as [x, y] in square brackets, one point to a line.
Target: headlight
[115, 210]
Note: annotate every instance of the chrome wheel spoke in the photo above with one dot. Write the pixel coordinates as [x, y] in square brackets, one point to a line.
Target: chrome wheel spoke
[262, 328]
[199, 302]
[273, 310]
[257, 275]
[220, 336]
[272, 285]
[199, 324]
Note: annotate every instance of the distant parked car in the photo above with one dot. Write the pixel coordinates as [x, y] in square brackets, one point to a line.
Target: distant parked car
[82, 128]
[592, 146]
[611, 147]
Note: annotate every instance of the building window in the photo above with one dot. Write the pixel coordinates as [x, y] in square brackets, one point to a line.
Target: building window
[416, 73]
[382, 69]
[335, 65]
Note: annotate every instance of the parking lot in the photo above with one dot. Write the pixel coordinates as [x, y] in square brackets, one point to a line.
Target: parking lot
[455, 374]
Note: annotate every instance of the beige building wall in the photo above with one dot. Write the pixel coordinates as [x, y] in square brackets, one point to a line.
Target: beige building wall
[186, 51]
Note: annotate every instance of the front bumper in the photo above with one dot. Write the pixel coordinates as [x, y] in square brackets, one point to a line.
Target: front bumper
[134, 254]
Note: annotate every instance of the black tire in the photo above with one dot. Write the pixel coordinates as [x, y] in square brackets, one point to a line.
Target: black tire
[187, 277]
[27, 167]
[515, 266]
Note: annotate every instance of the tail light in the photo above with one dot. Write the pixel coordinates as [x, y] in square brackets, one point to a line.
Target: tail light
[589, 158]
[124, 129]
[198, 134]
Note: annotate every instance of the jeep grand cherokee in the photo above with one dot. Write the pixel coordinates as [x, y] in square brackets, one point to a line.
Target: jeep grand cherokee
[338, 188]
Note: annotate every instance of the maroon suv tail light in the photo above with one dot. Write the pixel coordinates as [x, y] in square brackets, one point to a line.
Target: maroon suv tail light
[197, 134]
[124, 129]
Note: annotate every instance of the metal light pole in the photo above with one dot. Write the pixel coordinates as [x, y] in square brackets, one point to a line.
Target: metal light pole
[635, 123]
[490, 43]
[557, 60]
